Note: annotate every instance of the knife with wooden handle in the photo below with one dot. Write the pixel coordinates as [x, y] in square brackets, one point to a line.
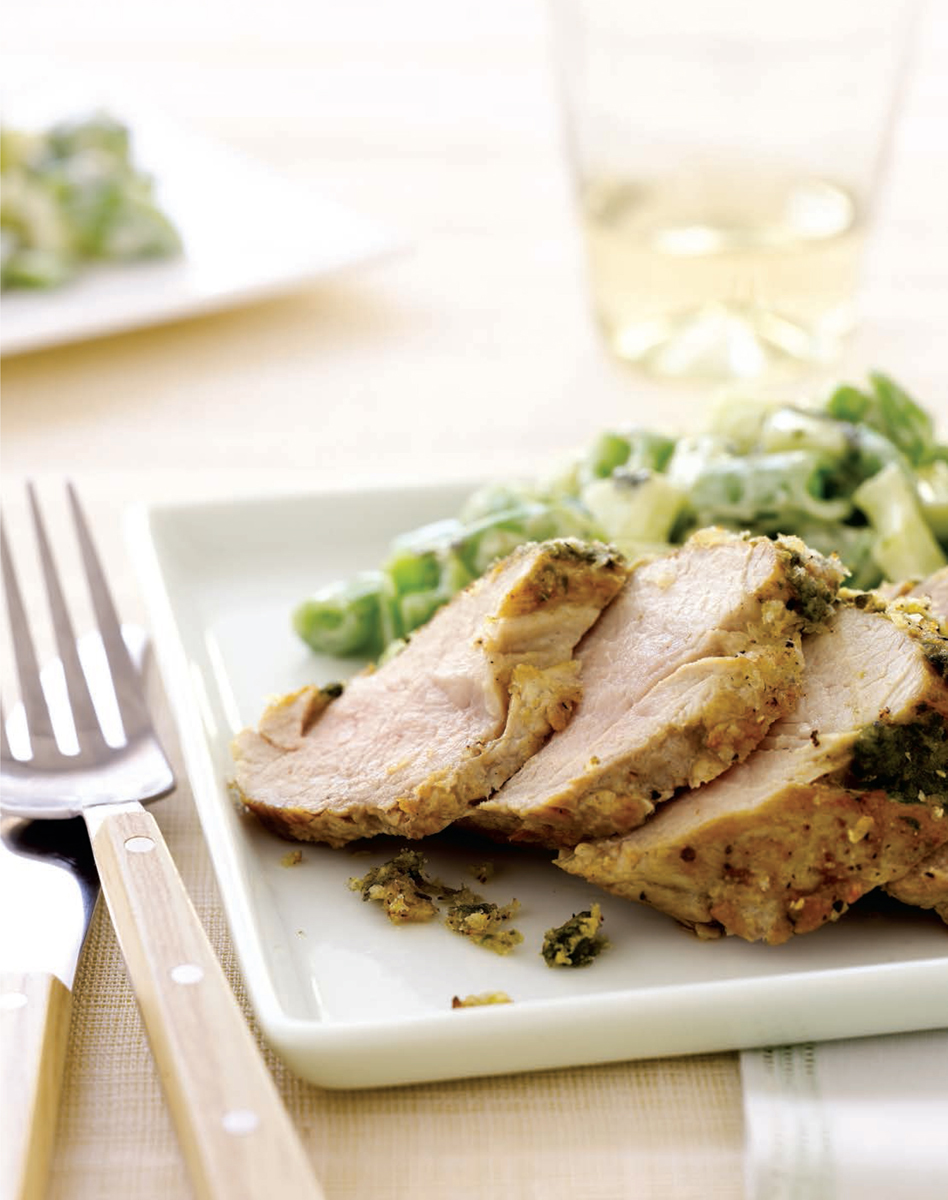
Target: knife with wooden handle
[48, 889]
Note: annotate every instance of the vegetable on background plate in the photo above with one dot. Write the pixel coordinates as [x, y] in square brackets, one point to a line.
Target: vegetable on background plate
[863, 475]
[72, 195]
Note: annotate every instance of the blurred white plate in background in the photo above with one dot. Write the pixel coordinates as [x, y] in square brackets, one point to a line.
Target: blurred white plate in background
[248, 234]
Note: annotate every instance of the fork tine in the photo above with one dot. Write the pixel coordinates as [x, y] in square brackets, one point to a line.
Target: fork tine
[6, 755]
[84, 715]
[38, 719]
[125, 679]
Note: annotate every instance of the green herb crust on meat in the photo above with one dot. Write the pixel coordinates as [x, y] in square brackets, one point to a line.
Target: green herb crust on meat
[909, 762]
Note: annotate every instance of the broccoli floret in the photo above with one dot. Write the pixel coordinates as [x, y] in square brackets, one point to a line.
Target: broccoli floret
[343, 618]
[891, 411]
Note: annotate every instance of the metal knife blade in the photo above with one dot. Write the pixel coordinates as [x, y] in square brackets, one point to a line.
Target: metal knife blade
[48, 892]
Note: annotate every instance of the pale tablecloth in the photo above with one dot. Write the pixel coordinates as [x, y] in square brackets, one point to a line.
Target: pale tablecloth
[474, 354]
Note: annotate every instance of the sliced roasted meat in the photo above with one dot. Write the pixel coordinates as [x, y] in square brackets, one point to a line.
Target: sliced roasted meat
[926, 884]
[846, 793]
[682, 676]
[406, 749]
[935, 589]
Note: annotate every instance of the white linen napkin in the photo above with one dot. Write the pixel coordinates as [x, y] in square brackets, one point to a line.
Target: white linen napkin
[865, 1119]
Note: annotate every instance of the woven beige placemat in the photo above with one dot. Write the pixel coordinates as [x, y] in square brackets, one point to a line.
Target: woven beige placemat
[669, 1128]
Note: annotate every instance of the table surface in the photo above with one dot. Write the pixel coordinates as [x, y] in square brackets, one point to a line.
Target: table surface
[471, 354]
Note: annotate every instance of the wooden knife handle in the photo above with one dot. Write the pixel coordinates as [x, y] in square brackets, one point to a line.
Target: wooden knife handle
[237, 1137]
[34, 1029]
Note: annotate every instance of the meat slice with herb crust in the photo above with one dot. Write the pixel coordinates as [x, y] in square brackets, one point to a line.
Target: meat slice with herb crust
[926, 884]
[682, 676]
[935, 589]
[846, 793]
[408, 748]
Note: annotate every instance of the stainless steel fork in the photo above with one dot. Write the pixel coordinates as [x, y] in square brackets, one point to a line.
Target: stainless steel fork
[235, 1133]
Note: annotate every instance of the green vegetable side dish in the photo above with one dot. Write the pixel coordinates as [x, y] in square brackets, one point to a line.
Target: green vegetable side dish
[863, 475]
[72, 195]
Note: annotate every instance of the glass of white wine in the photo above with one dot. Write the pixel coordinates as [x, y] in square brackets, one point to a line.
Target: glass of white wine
[726, 156]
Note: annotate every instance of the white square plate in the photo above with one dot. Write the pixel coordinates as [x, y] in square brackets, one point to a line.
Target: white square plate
[248, 235]
[350, 1000]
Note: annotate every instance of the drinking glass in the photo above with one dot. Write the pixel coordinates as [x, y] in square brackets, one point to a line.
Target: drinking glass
[726, 157]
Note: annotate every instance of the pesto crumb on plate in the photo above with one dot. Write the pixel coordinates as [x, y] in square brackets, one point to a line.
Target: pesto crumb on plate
[485, 923]
[408, 896]
[479, 999]
[576, 942]
[400, 887]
